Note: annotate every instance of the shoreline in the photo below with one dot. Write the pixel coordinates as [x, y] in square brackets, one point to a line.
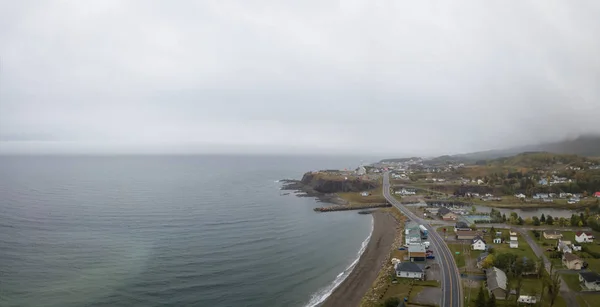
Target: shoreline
[351, 291]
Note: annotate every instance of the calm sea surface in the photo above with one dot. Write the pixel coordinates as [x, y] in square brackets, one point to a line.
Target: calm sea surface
[169, 231]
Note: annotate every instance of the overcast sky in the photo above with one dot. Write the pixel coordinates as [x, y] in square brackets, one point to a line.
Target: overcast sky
[350, 76]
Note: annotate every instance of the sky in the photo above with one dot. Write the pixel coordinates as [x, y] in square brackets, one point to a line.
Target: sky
[313, 76]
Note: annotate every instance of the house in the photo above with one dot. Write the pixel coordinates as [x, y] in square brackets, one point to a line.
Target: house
[497, 240]
[496, 283]
[527, 299]
[564, 246]
[543, 182]
[409, 270]
[364, 194]
[590, 280]
[361, 170]
[576, 248]
[552, 235]
[412, 236]
[465, 234]
[565, 195]
[479, 181]
[520, 195]
[408, 192]
[572, 261]
[512, 233]
[461, 226]
[478, 244]
[416, 252]
[514, 244]
[584, 237]
[443, 211]
[541, 196]
[514, 238]
[597, 194]
[480, 259]
[450, 216]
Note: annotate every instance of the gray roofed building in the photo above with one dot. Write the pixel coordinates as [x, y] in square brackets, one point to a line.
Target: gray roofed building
[496, 283]
[443, 210]
[409, 270]
[590, 280]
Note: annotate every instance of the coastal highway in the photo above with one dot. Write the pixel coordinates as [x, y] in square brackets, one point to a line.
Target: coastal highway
[451, 285]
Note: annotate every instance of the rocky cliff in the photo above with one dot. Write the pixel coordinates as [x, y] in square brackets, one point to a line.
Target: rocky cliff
[331, 184]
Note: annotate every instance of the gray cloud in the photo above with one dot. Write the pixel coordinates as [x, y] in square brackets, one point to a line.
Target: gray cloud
[349, 76]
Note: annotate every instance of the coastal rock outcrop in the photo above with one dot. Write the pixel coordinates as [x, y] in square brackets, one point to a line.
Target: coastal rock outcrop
[328, 184]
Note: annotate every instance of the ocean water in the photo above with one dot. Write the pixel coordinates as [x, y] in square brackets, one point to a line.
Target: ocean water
[169, 231]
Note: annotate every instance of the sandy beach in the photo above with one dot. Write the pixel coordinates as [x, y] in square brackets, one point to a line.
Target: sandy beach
[351, 291]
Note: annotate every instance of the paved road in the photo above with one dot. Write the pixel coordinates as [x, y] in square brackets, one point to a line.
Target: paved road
[451, 285]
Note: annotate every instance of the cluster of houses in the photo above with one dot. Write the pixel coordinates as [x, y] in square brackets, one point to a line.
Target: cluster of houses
[447, 214]
[417, 253]
[405, 192]
[590, 281]
[554, 180]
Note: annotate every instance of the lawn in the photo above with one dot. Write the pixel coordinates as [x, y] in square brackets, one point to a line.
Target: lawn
[588, 299]
[354, 198]
[572, 280]
[460, 249]
[524, 250]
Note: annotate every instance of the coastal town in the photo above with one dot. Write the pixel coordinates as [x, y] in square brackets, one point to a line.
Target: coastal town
[520, 230]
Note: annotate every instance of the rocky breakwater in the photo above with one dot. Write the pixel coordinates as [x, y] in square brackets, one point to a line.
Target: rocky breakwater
[324, 184]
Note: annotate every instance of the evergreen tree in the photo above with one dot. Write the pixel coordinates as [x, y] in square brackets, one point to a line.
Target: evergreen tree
[480, 301]
[550, 220]
[543, 218]
[520, 221]
[503, 217]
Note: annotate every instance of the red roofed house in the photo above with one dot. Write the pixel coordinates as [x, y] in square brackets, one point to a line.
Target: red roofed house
[597, 194]
[584, 237]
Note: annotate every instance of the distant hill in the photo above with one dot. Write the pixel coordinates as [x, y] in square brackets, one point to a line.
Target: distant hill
[582, 146]
[588, 146]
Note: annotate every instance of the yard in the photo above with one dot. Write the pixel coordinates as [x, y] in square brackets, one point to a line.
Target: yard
[572, 280]
[524, 250]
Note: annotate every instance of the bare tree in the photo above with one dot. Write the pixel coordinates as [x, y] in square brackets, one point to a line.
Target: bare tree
[554, 287]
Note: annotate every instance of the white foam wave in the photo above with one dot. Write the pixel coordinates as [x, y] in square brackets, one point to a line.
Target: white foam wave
[321, 295]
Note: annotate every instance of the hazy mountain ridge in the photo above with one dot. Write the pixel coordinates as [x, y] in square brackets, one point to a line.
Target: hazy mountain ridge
[588, 146]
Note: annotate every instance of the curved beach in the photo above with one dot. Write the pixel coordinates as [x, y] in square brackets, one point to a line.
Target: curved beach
[353, 288]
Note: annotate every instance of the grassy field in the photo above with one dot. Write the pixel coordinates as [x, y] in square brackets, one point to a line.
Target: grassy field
[460, 257]
[572, 280]
[524, 250]
[354, 198]
[588, 299]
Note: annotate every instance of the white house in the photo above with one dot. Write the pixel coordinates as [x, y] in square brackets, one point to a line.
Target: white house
[409, 270]
[514, 238]
[479, 181]
[584, 237]
[478, 244]
[590, 280]
[563, 246]
[514, 244]
[497, 240]
[527, 299]
[576, 248]
[364, 193]
[520, 195]
[361, 170]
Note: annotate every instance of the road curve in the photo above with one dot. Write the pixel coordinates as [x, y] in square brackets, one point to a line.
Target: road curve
[451, 285]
